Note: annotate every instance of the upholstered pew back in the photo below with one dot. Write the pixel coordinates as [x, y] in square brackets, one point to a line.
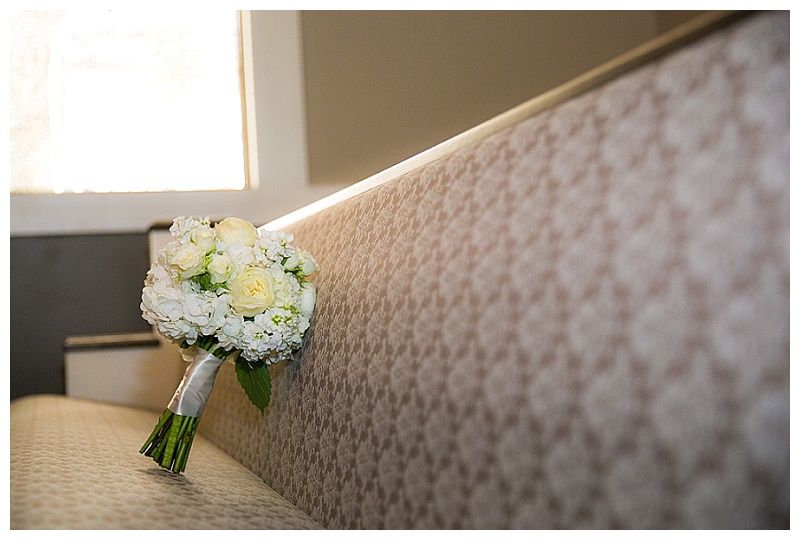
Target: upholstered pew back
[580, 320]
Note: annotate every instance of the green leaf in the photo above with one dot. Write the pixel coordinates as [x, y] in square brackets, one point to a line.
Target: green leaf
[255, 380]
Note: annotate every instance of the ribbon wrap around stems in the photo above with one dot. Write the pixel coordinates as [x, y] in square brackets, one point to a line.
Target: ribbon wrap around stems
[198, 381]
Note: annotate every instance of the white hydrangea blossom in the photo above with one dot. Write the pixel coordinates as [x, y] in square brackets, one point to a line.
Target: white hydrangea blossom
[187, 293]
[183, 227]
[270, 337]
[275, 244]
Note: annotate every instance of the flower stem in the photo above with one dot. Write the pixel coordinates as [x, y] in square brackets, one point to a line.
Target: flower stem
[171, 440]
[186, 444]
[161, 421]
[211, 344]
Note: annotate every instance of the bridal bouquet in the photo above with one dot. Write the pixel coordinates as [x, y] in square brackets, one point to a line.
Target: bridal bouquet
[228, 291]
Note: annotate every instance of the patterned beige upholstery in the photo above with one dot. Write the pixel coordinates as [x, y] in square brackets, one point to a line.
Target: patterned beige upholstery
[75, 465]
[581, 321]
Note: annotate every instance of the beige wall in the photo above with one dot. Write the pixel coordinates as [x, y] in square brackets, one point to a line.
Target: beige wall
[668, 19]
[382, 86]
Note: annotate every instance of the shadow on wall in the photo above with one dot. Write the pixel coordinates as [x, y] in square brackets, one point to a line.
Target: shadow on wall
[69, 285]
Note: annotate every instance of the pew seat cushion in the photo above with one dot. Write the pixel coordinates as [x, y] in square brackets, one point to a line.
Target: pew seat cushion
[75, 465]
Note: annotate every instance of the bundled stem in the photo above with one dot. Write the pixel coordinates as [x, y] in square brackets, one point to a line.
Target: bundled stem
[171, 440]
[211, 344]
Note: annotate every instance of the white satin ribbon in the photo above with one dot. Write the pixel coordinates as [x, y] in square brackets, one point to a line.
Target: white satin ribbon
[198, 381]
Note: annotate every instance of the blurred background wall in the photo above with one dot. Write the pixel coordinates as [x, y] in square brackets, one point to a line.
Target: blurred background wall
[376, 88]
[382, 86]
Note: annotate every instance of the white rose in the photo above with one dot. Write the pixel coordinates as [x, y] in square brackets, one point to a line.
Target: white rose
[203, 238]
[308, 297]
[219, 267]
[301, 262]
[234, 230]
[251, 291]
[309, 266]
[188, 259]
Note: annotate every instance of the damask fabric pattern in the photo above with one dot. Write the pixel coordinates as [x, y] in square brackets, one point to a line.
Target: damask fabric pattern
[581, 321]
[75, 465]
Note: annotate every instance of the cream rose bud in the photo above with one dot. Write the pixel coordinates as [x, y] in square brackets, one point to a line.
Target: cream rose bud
[234, 230]
[187, 258]
[219, 267]
[251, 291]
[308, 297]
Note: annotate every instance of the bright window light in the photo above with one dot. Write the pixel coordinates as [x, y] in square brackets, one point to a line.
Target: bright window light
[126, 101]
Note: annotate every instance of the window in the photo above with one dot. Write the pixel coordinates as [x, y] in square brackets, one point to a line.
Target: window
[127, 101]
